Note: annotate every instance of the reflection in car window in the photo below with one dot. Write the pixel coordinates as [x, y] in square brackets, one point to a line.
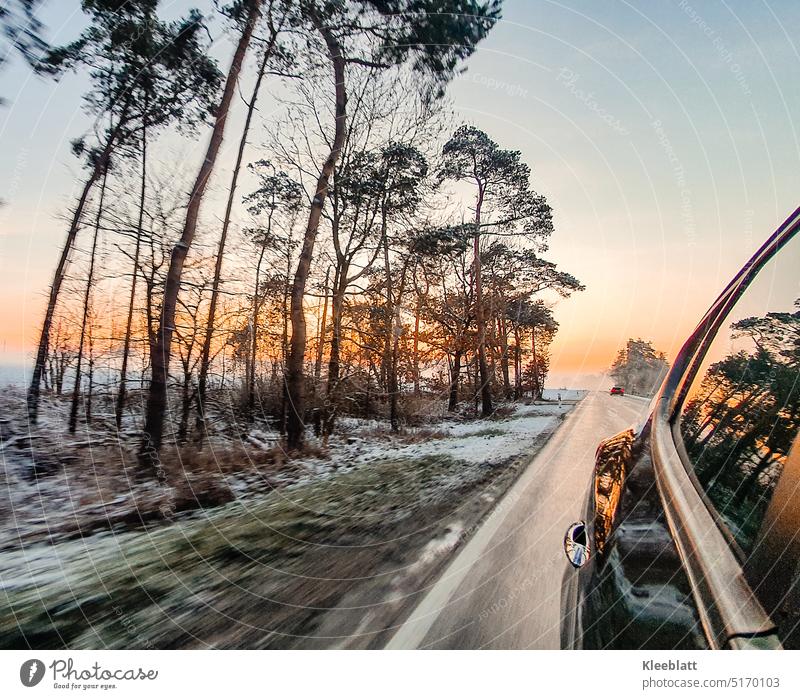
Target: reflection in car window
[742, 410]
[739, 425]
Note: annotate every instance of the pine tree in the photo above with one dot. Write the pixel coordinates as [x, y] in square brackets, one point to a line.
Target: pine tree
[504, 205]
[142, 72]
[432, 36]
[153, 433]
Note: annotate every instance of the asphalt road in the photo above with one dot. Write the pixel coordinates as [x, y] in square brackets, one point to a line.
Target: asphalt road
[503, 589]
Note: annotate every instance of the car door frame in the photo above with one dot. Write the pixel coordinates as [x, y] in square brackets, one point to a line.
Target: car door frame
[729, 611]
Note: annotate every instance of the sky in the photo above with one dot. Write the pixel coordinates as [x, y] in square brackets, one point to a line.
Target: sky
[663, 134]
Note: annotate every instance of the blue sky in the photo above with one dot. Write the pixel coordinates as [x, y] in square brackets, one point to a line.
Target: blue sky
[664, 134]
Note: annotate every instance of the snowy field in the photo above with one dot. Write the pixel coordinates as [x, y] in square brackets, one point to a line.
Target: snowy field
[341, 547]
[566, 393]
[82, 486]
[476, 442]
[493, 441]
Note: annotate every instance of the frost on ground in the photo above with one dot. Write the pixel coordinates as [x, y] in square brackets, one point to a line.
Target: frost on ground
[322, 552]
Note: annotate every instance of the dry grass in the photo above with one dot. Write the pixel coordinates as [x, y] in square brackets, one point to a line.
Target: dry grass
[56, 488]
[421, 410]
[422, 434]
[293, 555]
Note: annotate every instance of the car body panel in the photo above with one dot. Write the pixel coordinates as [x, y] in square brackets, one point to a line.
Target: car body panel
[633, 592]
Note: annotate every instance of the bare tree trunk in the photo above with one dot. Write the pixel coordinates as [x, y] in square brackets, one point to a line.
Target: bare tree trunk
[334, 365]
[58, 279]
[455, 373]
[251, 382]
[60, 369]
[475, 383]
[535, 393]
[205, 355]
[285, 339]
[394, 384]
[126, 343]
[150, 312]
[318, 412]
[76, 391]
[393, 339]
[157, 399]
[517, 365]
[480, 320]
[417, 312]
[390, 346]
[322, 333]
[368, 396]
[186, 404]
[90, 376]
[503, 332]
[295, 387]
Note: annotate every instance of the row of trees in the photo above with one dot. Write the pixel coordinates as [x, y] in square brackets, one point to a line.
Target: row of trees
[351, 221]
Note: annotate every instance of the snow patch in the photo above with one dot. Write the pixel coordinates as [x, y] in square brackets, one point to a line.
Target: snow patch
[566, 393]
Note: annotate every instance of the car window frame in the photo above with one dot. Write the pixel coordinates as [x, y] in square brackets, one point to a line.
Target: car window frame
[774, 245]
[728, 608]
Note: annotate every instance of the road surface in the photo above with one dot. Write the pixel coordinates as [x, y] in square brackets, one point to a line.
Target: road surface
[503, 589]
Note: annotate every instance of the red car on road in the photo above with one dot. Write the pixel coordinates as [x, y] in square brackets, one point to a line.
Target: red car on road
[617, 391]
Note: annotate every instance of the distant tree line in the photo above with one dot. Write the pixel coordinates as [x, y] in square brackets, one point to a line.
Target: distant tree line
[639, 368]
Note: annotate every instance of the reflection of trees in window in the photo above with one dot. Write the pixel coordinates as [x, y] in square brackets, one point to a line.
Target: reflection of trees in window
[739, 426]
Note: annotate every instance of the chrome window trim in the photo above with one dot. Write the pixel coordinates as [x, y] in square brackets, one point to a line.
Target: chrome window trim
[687, 464]
[726, 604]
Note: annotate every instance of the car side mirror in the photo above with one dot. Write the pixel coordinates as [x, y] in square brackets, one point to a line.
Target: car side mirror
[576, 544]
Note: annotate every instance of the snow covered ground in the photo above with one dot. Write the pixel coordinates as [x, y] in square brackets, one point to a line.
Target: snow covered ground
[334, 545]
[473, 441]
[493, 441]
[82, 486]
[566, 393]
